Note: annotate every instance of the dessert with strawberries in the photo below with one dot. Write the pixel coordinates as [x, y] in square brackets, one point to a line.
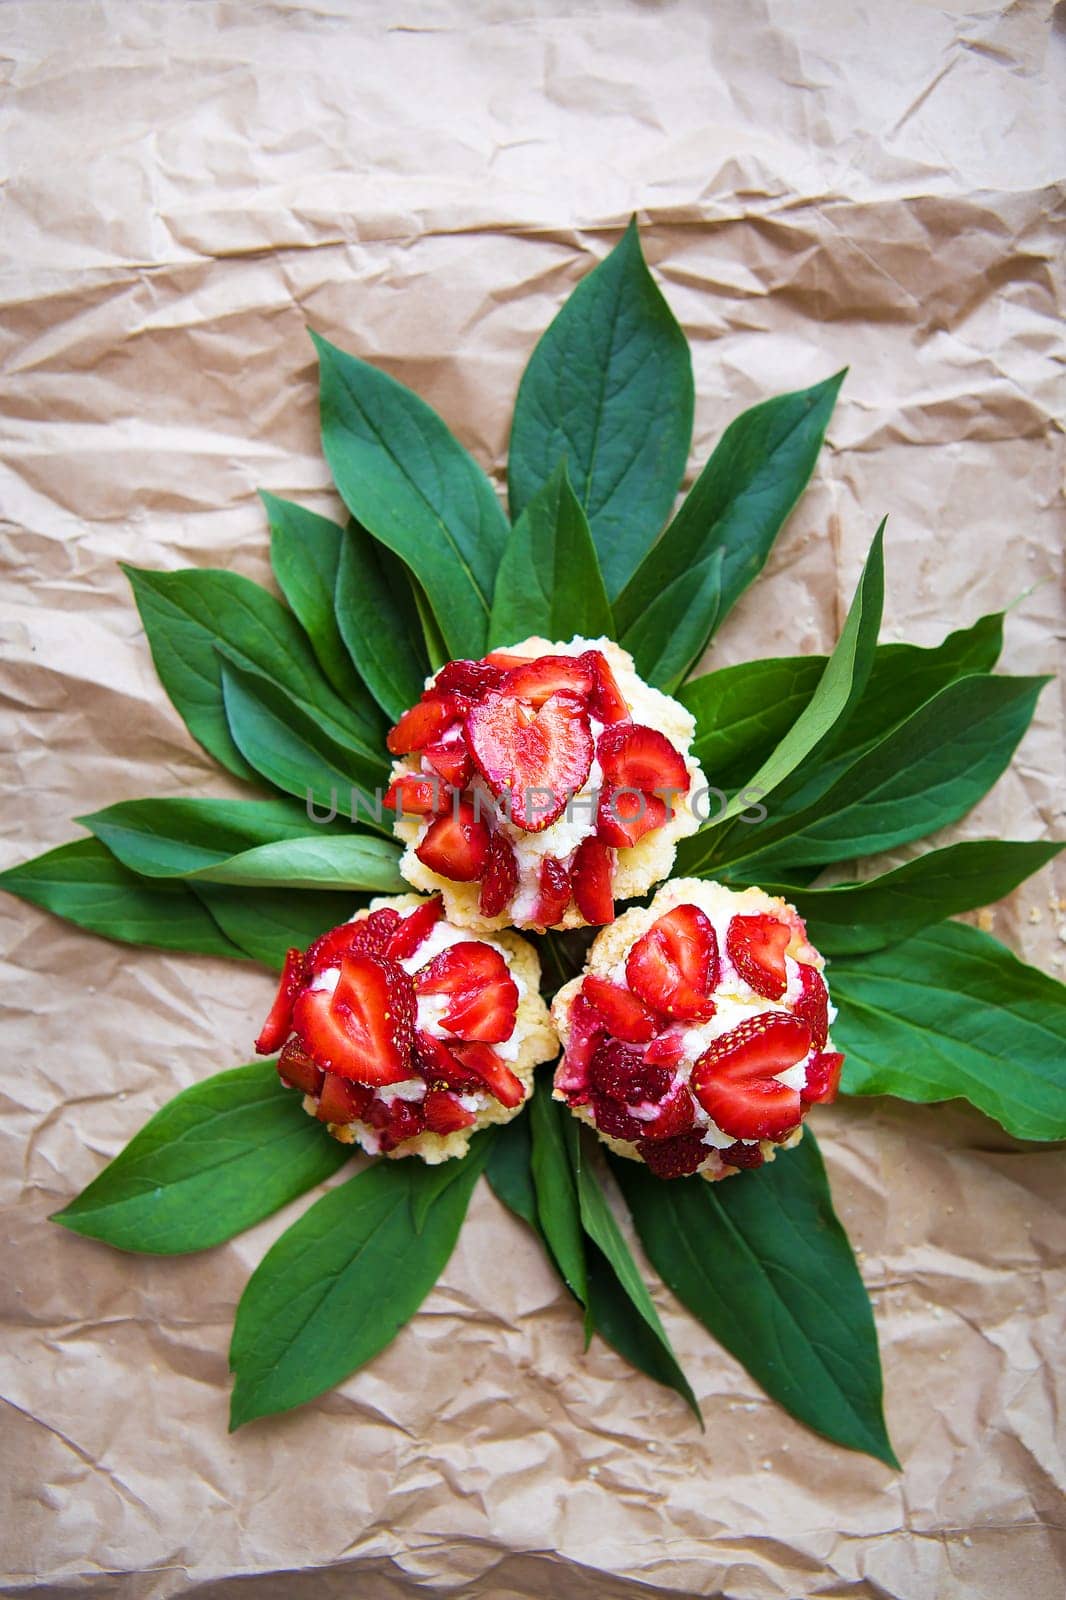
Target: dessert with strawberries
[697, 1038]
[406, 1034]
[536, 787]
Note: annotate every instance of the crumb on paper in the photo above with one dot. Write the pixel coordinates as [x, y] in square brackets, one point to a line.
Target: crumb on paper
[985, 920]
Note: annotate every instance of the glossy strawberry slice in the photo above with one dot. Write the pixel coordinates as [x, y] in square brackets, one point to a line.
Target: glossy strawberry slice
[756, 946]
[606, 702]
[621, 1072]
[735, 1079]
[536, 681]
[369, 936]
[553, 893]
[437, 1062]
[397, 1121]
[624, 816]
[296, 1068]
[495, 1075]
[483, 997]
[813, 1005]
[450, 760]
[364, 1030]
[473, 678]
[444, 1114]
[413, 795]
[591, 874]
[674, 1158]
[341, 1101]
[676, 1114]
[668, 1049]
[586, 1031]
[425, 722]
[624, 1013]
[414, 928]
[742, 1155]
[614, 1118]
[278, 1025]
[823, 1078]
[539, 758]
[499, 879]
[456, 845]
[505, 659]
[636, 757]
[674, 966]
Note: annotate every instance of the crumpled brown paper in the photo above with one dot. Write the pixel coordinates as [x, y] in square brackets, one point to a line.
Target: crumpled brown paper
[819, 184]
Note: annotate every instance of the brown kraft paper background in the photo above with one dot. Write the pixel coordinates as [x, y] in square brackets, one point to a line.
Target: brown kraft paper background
[186, 186]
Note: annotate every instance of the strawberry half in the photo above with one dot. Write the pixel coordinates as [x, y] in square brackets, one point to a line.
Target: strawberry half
[413, 795]
[278, 1025]
[624, 1013]
[500, 877]
[473, 678]
[425, 722]
[450, 760]
[495, 1075]
[364, 1030]
[674, 966]
[620, 1071]
[396, 1122]
[539, 758]
[823, 1078]
[813, 1005]
[369, 936]
[623, 816]
[482, 994]
[341, 1101]
[735, 1079]
[756, 946]
[414, 928]
[536, 681]
[296, 1068]
[636, 757]
[742, 1155]
[553, 893]
[674, 1158]
[586, 1031]
[444, 1114]
[456, 845]
[591, 873]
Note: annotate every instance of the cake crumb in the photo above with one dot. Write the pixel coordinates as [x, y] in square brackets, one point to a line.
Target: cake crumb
[985, 920]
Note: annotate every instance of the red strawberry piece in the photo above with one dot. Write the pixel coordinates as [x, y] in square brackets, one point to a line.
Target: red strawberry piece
[677, 1115]
[553, 893]
[278, 1025]
[674, 966]
[756, 946]
[813, 1005]
[483, 997]
[296, 1068]
[674, 1158]
[440, 1066]
[536, 681]
[450, 760]
[667, 1049]
[473, 678]
[413, 795]
[341, 1101]
[624, 1013]
[606, 701]
[586, 1029]
[425, 722]
[505, 659]
[539, 758]
[742, 1155]
[364, 1029]
[619, 1071]
[495, 1075]
[636, 757]
[591, 873]
[398, 1121]
[613, 1119]
[412, 929]
[456, 845]
[369, 936]
[735, 1079]
[823, 1078]
[444, 1114]
[625, 815]
[500, 877]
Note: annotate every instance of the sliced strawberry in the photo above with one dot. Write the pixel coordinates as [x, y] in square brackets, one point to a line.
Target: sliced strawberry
[667, 1049]
[823, 1078]
[425, 722]
[676, 1115]
[437, 1062]
[457, 845]
[674, 1158]
[813, 1005]
[613, 1118]
[742, 1155]
[414, 928]
[296, 1068]
[591, 873]
[623, 816]
[756, 946]
[538, 758]
[278, 1025]
[536, 681]
[482, 994]
[553, 893]
[364, 1030]
[751, 1108]
[500, 877]
[505, 659]
[495, 1075]
[397, 1121]
[413, 795]
[444, 1114]
[473, 678]
[341, 1101]
[735, 1079]
[620, 1071]
[636, 757]
[606, 701]
[586, 1029]
[450, 760]
[624, 1013]
[674, 966]
[369, 936]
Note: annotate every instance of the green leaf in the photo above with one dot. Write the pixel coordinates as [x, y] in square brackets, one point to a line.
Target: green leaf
[672, 631]
[850, 918]
[216, 1159]
[265, 923]
[305, 552]
[549, 583]
[609, 389]
[608, 1310]
[740, 500]
[925, 775]
[763, 1262]
[406, 479]
[338, 1286]
[83, 883]
[554, 1134]
[510, 1172]
[379, 621]
[951, 1014]
[186, 614]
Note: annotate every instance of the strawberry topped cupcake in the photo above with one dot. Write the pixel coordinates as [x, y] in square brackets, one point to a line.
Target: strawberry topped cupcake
[698, 1036]
[540, 785]
[406, 1034]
